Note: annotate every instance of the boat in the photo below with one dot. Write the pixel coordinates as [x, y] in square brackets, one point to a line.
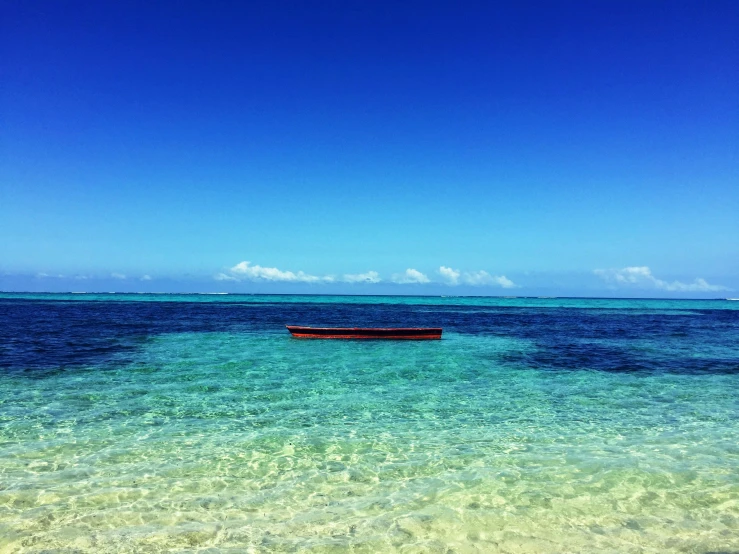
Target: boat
[389, 333]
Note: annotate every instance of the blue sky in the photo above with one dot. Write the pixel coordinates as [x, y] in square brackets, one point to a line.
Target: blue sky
[559, 148]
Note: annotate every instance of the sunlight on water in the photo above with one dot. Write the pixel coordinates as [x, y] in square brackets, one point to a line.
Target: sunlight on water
[261, 443]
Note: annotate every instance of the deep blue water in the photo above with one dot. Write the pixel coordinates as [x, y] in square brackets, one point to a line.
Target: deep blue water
[679, 336]
[185, 422]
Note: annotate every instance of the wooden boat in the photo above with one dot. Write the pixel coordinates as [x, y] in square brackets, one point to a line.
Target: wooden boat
[397, 333]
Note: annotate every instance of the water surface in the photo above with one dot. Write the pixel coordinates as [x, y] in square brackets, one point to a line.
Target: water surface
[183, 423]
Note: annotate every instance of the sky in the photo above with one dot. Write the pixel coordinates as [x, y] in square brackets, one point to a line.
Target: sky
[556, 148]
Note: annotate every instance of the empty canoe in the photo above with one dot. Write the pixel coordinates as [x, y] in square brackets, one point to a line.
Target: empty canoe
[391, 333]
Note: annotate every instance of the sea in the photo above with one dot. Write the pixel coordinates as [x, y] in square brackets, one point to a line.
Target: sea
[196, 423]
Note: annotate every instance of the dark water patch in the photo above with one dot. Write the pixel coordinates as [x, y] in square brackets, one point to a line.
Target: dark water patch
[574, 356]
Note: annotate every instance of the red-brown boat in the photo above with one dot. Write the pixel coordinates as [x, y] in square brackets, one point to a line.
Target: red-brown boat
[391, 333]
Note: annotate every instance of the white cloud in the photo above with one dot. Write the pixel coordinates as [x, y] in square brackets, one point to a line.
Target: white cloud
[117, 276]
[504, 282]
[484, 278]
[146, 278]
[641, 276]
[698, 284]
[369, 277]
[244, 271]
[449, 275]
[475, 278]
[247, 271]
[410, 276]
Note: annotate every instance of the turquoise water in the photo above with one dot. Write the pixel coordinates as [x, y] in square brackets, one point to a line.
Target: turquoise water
[474, 301]
[533, 426]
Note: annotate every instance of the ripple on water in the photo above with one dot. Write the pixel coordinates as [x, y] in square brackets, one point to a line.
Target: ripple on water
[228, 441]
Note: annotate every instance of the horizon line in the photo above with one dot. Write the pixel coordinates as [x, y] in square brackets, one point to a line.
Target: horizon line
[510, 297]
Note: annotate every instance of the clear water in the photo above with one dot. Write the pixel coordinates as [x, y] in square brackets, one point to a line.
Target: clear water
[181, 424]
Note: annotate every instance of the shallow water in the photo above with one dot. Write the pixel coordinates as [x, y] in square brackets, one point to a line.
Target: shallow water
[533, 426]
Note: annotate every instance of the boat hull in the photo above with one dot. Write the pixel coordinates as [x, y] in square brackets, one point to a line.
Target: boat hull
[387, 333]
